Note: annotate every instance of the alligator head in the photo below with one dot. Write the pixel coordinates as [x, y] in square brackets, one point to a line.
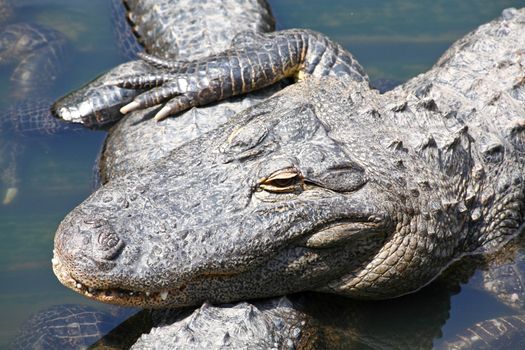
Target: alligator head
[288, 196]
[326, 186]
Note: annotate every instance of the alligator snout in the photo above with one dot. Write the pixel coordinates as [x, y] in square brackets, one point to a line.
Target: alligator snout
[87, 242]
[101, 239]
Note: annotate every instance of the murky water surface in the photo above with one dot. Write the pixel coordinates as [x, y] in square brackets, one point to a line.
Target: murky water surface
[393, 39]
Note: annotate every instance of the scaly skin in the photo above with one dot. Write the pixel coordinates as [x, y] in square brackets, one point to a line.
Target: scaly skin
[274, 324]
[194, 28]
[326, 186]
[200, 28]
[122, 153]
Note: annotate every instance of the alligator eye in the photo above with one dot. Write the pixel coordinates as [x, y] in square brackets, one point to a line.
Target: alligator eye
[283, 181]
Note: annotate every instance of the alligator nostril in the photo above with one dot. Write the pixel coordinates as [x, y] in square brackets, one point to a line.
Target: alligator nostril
[107, 240]
[109, 244]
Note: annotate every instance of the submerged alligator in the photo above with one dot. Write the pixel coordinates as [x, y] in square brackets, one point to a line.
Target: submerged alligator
[35, 53]
[406, 194]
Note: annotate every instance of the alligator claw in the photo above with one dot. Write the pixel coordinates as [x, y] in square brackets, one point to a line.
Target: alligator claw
[153, 97]
[130, 107]
[175, 105]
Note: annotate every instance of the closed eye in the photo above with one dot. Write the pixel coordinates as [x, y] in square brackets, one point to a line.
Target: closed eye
[283, 181]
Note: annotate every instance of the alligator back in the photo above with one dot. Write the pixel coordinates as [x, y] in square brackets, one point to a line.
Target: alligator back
[189, 28]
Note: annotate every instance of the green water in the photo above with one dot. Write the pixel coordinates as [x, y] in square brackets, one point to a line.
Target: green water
[394, 39]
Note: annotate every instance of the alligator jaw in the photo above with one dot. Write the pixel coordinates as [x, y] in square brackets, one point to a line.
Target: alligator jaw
[328, 235]
[117, 296]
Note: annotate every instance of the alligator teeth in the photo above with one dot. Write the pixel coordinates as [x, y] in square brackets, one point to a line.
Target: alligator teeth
[164, 295]
[55, 261]
[79, 285]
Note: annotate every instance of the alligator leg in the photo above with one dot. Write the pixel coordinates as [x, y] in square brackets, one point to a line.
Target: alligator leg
[290, 53]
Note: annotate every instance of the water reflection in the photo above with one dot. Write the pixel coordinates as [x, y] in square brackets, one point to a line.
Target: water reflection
[393, 39]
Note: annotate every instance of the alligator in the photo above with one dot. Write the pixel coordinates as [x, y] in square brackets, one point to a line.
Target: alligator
[97, 104]
[65, 326]
[35, 53]
[327, 186]
[305, 322]
[212, 312]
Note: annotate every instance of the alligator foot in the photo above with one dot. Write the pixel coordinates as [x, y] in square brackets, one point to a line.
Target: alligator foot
[182, 85]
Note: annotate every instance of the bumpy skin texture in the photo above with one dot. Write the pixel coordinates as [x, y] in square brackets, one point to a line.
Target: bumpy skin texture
[275, 324]
[255, 61]
[327, 185]
[195, 29]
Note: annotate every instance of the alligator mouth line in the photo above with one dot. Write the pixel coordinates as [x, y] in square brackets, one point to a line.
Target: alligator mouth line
[118, 296]
[122, 296]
